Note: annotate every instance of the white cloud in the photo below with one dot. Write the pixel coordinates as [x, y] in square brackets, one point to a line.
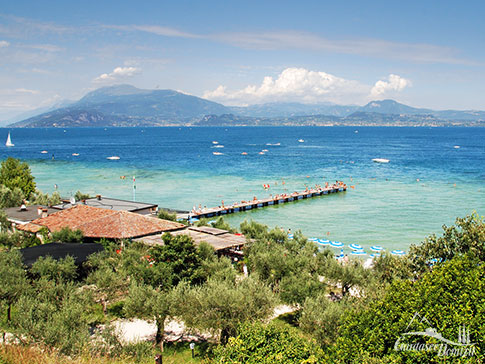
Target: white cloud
[26, 91]
[294, 84]
[118, 73]
[393, 84]
[4, 44]
[294, 39]
[305, 86]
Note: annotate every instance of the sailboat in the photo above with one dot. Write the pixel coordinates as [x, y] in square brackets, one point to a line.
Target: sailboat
[9, 143]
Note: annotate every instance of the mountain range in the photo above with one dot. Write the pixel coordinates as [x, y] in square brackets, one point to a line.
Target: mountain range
[126, 106]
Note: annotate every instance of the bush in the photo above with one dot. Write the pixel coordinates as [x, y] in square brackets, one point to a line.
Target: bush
[66, 235]
[166, 215]
[268, 344]
[450, 296]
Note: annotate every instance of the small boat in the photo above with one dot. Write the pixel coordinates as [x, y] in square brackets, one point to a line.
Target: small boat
[456, 146]
[265, 150]
[217, 153]
[356, 131]
[215, 142]
[275, 144]
[244, 153]
[218, 146]
[9, 143]
[261, 153]
[380, 160]
[113, 158]
[44, 152]
[301, 141]
[75, 154]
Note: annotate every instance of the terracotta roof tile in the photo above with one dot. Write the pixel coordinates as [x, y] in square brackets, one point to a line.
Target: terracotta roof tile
[96, 222]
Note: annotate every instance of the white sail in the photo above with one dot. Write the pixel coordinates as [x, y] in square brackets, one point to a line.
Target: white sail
[9, 141]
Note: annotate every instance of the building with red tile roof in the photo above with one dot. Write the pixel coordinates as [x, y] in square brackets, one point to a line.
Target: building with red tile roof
[100, 223]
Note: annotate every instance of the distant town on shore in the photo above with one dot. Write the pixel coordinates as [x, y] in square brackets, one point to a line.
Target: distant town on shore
[128, 106]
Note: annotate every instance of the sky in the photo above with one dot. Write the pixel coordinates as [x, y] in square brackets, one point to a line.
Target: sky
[422, 53]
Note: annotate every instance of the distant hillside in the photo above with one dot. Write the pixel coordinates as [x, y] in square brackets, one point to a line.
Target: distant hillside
[126, 105]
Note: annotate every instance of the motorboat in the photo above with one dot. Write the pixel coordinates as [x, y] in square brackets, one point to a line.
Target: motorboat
[380, 160]
[113, 158]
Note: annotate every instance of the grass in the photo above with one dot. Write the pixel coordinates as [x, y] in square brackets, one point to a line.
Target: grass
[178, 353]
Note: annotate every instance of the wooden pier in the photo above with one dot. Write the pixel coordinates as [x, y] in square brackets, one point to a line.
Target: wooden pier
[276, 200]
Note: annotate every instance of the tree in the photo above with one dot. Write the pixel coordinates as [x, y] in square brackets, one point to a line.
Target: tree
[10, 197]
[347, 275]
[388, 268]
[108, 284]
[467, 235]
[321, 318]
[268, 344]
[221, 306]
[180, 255]
[5, 224]
[146, 302]
[14, 173]
[62, 270]
[449, 296]
[66, 235]
[79, 196]
[13, 279]
[53, 313]
[39, 198]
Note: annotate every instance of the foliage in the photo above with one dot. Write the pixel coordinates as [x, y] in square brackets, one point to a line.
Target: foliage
[131, 263]
[268, 344]
[53, 313]
[39, 198]
[220, 223]
[146, 302]
[13, 278]
[18, 239]
[291, 267]
[468, 235]
[450, 296]
[10, 197]
[66, 235]
[321, 318]
[79, 196]
[388, 267]
[214, 267]
[348, 276]
[14, 173]
[5, 225]
[180, 255]
[167, 215]
[221, 305]
[108, 284]
[62, 270]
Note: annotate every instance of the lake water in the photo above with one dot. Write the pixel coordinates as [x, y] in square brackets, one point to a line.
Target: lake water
[434, 174]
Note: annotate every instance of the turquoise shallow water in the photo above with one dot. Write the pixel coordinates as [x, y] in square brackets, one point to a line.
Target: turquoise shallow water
[428, 182]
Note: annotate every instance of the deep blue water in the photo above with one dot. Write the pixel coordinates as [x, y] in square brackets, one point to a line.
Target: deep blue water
[427, 183]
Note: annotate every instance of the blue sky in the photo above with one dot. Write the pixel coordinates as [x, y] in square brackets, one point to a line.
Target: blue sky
[423, 53]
